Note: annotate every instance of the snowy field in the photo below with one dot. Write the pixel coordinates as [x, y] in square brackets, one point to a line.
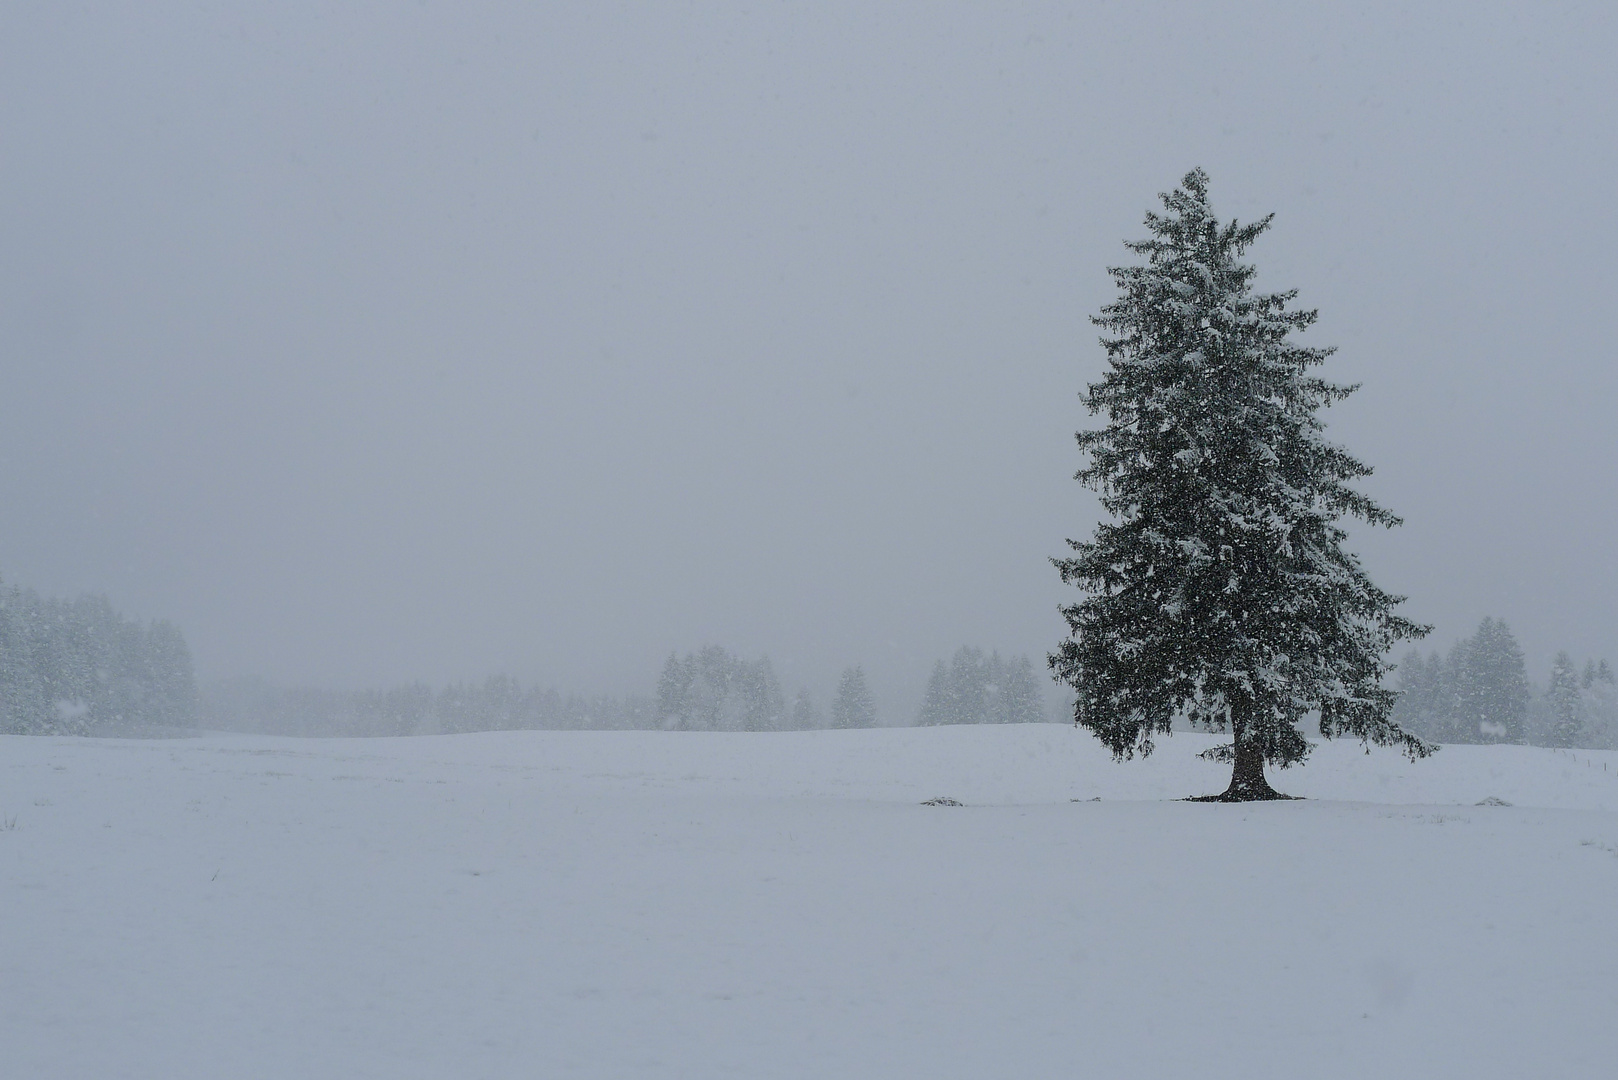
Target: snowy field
[628, 904]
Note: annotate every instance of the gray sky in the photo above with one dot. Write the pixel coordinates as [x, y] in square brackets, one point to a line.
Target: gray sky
[382, 342]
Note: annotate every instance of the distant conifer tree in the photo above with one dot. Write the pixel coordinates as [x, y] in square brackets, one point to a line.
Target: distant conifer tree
[1018, 699]
[805, 716]
[77, 667]
[1421, 708]
[711, 690]
[1567, 702]
[853, 707]
[1491, 695]
[936, 704]
[977, 689]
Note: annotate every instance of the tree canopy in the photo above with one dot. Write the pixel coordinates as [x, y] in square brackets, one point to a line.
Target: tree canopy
[1220, 587]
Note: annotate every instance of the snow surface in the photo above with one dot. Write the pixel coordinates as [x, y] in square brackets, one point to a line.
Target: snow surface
[628, 904]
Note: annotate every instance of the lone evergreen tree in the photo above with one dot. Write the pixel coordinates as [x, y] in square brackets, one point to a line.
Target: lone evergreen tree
[1220, 589]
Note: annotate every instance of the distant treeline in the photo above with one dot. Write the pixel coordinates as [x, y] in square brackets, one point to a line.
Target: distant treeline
[496, 704]
[1480, 693]
[711, 689]
[978, 689]
[77, 667]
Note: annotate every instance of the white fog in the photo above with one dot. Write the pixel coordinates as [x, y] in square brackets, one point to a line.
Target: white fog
[549, 540]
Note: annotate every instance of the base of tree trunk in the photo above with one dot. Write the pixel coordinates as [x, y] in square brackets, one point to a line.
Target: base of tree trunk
[1245, 789]
[1246, 794]
[1247, 782]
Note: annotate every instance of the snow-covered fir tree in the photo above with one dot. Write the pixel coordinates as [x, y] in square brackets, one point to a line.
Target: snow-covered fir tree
[1221, 588]
[1491, 694]
[1600, 691]
[805, 716]
[853, 707]
[711, 690]
[24, 709]
[79, 667]
[1423, 688]
[1017, 698]
[1597, 708]
[1567, 703]
[955, 691]
[1477, 693]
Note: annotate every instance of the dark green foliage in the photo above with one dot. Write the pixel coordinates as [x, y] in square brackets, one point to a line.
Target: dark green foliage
[1220, 588]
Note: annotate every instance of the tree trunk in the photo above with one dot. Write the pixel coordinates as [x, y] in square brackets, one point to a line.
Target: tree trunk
[1247, 783]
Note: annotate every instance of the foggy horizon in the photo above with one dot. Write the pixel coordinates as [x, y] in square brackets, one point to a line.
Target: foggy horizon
[384, 345]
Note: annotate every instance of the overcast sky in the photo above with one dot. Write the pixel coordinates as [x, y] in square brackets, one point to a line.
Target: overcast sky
[384, 342]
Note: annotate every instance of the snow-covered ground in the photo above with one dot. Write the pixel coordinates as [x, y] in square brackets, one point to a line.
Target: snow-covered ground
[626, 904]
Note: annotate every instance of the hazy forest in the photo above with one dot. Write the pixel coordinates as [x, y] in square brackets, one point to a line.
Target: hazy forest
[78, 667]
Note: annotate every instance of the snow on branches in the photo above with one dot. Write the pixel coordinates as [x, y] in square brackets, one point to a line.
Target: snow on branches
[1220, 588]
